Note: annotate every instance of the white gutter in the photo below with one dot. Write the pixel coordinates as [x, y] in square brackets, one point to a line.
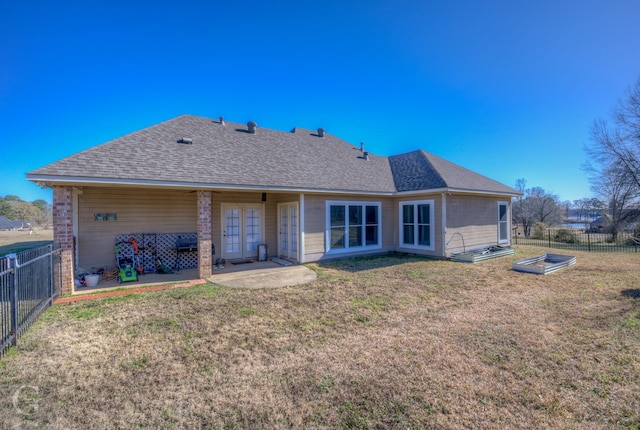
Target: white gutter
[77, 181]
[83, 180]
[456, 190]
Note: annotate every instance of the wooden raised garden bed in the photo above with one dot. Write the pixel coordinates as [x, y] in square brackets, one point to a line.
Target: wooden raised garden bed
[544, 264]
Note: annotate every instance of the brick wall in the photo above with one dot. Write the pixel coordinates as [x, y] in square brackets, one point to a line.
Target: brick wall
[204, 234]
[63, 233]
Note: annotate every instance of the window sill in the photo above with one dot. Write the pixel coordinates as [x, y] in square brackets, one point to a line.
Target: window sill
[422, 248]
[354, 249]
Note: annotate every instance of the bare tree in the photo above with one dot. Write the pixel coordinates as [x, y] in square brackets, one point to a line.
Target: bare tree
[582, 205]
[596, 207]
[623, 194]
[535, 206]
[614, 169]
[547, 207]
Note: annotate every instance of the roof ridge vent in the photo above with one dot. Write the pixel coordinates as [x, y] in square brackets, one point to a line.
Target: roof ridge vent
[251, 125]
[321, 132]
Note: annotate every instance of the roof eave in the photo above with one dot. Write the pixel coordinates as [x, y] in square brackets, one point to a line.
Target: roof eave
[48, 180]
[450, 190]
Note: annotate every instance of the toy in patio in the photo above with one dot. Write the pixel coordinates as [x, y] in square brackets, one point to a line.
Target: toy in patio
[126, 270]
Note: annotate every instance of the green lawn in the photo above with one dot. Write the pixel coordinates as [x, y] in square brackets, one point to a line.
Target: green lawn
[389, 342]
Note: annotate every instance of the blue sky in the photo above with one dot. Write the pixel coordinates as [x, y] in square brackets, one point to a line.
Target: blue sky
[508, 89]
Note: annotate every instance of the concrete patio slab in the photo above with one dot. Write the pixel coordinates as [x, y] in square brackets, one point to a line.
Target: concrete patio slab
[265, 276]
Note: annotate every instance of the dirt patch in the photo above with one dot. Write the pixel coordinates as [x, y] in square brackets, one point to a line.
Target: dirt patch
[388, 342]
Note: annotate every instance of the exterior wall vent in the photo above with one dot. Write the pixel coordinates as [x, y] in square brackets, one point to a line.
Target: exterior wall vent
[186, 141]
[252, 127]
[321, 132]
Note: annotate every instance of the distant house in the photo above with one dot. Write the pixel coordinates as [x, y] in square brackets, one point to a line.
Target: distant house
[600, 224]
[7, 224]
[305, 194]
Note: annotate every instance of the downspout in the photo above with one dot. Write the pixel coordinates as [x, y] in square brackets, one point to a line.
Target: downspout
[444, 224]
[301, 249]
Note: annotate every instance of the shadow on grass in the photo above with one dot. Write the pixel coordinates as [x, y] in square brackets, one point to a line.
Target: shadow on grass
[14, 248]
[357, 264]
[634, 293]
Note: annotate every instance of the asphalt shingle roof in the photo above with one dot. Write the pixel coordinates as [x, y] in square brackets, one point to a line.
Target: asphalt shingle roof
[419, 170]
[6, 223]
[228, 155]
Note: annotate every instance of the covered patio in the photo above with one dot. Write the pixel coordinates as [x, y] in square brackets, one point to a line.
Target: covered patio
[255, 274]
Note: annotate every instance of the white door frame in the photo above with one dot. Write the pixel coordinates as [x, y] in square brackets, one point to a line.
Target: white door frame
[242, 208]
[292, 248]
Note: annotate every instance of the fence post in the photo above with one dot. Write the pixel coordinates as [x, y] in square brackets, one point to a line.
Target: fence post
[549, 231]
[12, 259]
[51, 272]
[588, 241]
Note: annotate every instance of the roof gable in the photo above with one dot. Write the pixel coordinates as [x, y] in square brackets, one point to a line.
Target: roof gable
[419, 170]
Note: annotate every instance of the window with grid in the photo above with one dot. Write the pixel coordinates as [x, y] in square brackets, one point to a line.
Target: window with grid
[352, 226]
[416, 224]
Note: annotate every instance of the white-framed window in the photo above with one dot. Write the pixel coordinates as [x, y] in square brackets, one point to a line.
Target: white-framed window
[353, 226]
[503, 222]
[417, 225]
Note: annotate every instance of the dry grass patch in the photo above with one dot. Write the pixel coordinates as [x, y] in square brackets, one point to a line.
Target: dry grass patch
[20, 240]
[387, 342]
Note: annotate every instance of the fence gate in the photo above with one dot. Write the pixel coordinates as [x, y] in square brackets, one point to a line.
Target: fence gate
[29, 281]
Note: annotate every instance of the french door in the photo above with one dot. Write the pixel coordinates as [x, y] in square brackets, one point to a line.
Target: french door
[241, 230]
[288, 222]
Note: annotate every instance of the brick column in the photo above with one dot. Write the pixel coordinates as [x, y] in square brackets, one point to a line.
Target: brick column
[204, 234]
[63, 233]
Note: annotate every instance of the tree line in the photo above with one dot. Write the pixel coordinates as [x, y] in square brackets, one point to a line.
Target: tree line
[537, 206]
[613, 170]
[36, 213]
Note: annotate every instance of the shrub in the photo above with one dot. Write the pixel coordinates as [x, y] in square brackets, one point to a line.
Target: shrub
[565, 236]
[539, 230]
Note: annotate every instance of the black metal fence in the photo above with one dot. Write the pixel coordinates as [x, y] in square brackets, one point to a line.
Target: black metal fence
[29, 281]
[580, 240]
